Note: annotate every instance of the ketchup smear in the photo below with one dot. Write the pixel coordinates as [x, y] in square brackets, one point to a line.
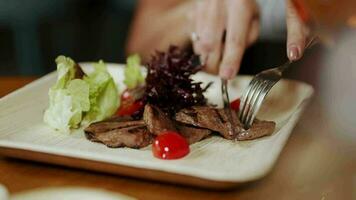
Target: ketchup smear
[170, 145]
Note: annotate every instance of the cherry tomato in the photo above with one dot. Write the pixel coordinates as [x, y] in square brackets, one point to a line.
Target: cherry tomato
[130, 109]
[129, 104]
[170, 145]
[126, 95]
[235, 105]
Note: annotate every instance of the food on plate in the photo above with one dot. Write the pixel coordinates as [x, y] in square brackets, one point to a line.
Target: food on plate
[169, 85]
[78, 98]
[120, 132]
[216, 120]
[170, 145]
[132, 102]
[172, 112]
[235, 104]
[167, 108]
[133, 74]
[157, 121]
[102, 94]
[68, 97]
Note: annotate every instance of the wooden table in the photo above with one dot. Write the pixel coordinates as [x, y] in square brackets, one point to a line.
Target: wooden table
[315, 164]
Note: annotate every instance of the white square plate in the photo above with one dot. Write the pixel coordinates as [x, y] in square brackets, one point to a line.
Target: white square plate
[214, 162]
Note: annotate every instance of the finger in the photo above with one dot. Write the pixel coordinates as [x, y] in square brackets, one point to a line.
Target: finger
[296, 33]
[213, 59]
[209, 28]
[199, 16]
[239, 18]
[254, 31]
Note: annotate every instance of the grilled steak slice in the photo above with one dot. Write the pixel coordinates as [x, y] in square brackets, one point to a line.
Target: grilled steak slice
[118, 119]
[134, 137]
[193, 134]
[105, 126]
[257, 130]
[156, 120]
[210, 118]
[217, 120]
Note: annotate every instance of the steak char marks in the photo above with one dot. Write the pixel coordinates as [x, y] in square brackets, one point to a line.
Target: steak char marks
[210, 118]
[217, 120]
[156, 120]
[120, 132]
[127, 132]
[194, 124]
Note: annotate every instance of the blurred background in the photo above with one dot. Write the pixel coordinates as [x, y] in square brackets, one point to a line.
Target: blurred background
[34, 32]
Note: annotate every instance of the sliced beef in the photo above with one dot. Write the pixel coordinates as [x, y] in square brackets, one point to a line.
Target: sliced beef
[117, 118]
[136, 136]
[257, 130]
[217, 120]
[105, 126]
[194, 124]
[193, 134]
[156, 120]
[210, 118]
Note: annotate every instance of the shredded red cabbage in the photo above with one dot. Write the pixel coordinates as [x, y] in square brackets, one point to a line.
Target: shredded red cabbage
[168, 83]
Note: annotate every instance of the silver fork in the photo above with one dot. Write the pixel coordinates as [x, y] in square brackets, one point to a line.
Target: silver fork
[226, 101]
[258, 88]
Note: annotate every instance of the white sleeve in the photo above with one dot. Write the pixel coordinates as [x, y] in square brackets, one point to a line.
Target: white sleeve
[272, 19]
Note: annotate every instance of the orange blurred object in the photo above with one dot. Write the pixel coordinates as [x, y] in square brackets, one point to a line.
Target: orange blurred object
[331, 13]
[327, 17]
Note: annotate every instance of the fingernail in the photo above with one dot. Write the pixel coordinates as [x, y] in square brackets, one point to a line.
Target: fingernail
[293, 53]
[226, 73]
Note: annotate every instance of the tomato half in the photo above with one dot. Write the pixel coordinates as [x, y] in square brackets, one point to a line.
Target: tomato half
[170, 145]
[129, 105]
[128, 110]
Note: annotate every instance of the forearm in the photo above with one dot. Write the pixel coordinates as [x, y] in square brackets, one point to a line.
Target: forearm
[157, 30]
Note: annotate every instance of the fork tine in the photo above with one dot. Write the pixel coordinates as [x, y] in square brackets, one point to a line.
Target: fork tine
[245, 96]
[254, 97]
[251, 98]
[259, 101]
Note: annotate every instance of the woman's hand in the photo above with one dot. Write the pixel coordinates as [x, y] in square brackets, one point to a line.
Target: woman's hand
[223, 29]
[238, 20]
[297, 33]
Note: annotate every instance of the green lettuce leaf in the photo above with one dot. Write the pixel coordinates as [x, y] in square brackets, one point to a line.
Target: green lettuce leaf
[68, 98]
[65, 70]
[103, 94]
[79, 91]
[133, 74]
[59, 112]
[80, 101]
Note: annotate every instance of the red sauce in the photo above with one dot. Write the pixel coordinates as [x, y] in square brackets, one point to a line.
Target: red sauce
[170, 145]
[235, 105]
